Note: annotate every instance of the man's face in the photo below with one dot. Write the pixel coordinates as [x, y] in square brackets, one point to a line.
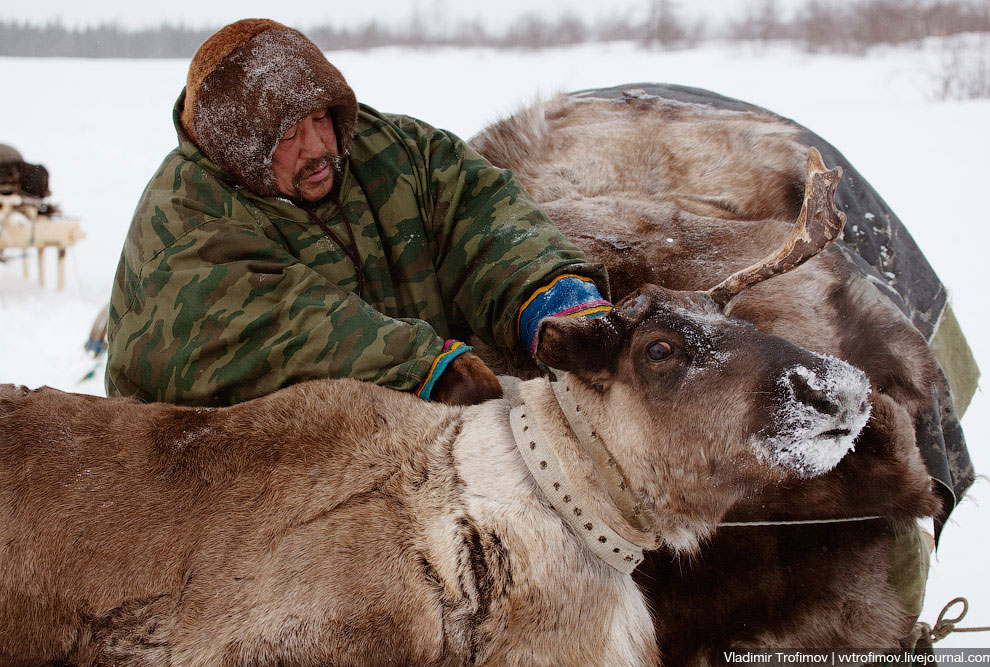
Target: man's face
[306, 157]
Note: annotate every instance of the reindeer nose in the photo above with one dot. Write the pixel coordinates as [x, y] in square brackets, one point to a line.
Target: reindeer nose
[814, 398]
[823, 406]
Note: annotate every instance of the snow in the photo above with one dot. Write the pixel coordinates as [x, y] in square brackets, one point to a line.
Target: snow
[703, 327]
[804, 439]
[103, 126]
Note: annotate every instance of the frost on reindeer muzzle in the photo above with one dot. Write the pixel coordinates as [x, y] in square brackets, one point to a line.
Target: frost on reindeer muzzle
[819, 412]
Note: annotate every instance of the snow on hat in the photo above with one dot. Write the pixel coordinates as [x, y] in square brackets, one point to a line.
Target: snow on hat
[250, 82]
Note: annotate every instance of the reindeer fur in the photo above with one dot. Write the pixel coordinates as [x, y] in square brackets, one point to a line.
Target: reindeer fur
[680, 195]
[295, 529]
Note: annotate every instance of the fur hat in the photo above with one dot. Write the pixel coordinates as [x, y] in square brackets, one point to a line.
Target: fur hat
[250, 82]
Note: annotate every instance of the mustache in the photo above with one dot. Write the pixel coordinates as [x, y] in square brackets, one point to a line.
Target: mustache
[316, 164]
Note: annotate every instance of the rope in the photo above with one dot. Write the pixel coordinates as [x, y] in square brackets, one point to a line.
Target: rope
[946, 626]
[798, 522]
[350, 250]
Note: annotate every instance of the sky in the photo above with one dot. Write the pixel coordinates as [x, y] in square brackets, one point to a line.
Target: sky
[440, 13]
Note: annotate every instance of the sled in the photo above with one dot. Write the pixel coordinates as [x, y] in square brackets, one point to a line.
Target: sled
[25, 223]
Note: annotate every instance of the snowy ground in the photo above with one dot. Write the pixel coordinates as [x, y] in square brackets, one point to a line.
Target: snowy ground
[102, 127]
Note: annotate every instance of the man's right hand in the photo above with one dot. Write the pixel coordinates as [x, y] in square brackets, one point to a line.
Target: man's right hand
[466, 381]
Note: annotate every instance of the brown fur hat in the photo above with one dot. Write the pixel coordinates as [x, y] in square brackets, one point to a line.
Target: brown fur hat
[250, 82]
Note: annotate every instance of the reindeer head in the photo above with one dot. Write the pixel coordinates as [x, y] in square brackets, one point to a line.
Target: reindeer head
[699, 409]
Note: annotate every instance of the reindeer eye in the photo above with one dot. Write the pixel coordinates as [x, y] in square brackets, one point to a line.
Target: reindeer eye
[659, 350]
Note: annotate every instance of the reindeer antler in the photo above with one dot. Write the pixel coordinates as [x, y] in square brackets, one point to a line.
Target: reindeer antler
[818, 224]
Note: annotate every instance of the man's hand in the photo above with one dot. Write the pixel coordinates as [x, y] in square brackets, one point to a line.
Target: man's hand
[466, 381]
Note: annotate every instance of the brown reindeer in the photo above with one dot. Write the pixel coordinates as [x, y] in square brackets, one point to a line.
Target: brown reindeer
[297, 530]
[677, 194]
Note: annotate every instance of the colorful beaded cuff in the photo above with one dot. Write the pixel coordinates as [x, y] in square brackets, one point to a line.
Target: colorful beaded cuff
[451, 350]
[565, 296]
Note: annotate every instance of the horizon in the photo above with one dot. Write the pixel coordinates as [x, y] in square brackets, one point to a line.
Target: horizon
[438, 14]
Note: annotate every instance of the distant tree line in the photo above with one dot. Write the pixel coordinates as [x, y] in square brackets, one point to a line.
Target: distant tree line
[830, 25]
[833, 25]
[102, 41]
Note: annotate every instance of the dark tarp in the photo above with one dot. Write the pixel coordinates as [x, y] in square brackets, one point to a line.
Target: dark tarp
[877, 242]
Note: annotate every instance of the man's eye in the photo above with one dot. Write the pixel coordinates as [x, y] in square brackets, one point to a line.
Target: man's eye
[288, 137]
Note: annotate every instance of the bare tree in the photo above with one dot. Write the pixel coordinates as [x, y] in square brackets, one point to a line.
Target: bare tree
[761, 21]
[664, 28]
[964, 71]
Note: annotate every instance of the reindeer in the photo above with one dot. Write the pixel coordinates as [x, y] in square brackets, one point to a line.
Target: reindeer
[295, 529]
[677, 194]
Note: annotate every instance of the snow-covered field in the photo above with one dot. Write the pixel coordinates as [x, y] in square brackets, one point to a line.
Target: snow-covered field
[102, 127]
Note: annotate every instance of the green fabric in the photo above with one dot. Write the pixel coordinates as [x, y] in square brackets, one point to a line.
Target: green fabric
[222, 296]
[908, 572]
[956, 359]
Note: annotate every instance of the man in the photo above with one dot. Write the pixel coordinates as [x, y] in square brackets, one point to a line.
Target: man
[294, 234]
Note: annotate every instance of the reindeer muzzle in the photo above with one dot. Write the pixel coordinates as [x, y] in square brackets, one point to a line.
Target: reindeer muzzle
[820, 409]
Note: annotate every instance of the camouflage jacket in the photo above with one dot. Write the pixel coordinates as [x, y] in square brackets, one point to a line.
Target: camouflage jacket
[222, 296]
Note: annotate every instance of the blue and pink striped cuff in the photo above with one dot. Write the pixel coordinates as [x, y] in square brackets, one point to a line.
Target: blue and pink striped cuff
[565, 296]
[451, 350]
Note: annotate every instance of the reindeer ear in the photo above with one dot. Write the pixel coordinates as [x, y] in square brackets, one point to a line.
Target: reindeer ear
[634, 308]
[579, 343]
